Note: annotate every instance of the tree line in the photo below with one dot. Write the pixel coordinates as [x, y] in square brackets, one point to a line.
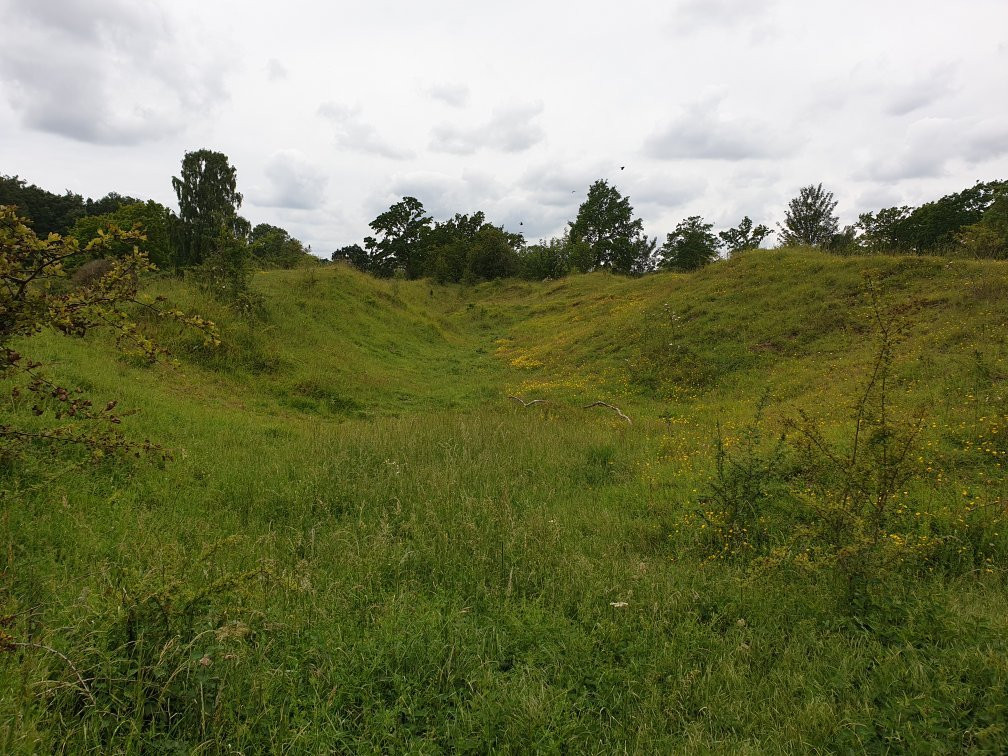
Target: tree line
[605, 235]
[208, 218]
[209, 235]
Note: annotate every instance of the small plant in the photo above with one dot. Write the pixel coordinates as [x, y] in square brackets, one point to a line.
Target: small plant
[226, 274]
[748, 480]
[852, 488]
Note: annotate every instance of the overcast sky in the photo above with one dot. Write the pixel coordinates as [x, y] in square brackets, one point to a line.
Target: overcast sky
[332, 111]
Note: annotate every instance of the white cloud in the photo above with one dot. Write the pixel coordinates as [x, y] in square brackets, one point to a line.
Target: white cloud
[509, 129]
[276, 70]
[929, 147]
[110, 73]
[442, 194]
[558, 185]
[295, 182]
[985, 140]
[692, 16]
[666, 192]
[356, 135]
[456, 95]
[701, 133]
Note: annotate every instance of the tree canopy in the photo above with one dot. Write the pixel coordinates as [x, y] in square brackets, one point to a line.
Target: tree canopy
[399, 232]
[467, 247]
[744, 236]
[810, 218]
[935, 226]
[692, 245]
[150, 218]
[274, 246]
[45, 212]
[605, 222]
[988, 237]
[208, 201]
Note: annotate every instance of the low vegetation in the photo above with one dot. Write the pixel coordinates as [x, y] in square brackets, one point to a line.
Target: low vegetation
[356, 541]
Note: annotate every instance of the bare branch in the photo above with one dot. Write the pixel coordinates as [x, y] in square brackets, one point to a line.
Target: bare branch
[523, 403]
[614, 408]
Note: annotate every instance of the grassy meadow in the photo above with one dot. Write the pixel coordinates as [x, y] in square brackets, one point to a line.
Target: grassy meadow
[360, 543]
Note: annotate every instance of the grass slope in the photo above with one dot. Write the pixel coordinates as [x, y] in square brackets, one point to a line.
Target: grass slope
[362, 544]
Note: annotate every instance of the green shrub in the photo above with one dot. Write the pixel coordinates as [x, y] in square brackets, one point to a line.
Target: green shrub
[750, 479]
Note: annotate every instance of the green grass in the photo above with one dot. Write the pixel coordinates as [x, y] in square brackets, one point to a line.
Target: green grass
[361, 544]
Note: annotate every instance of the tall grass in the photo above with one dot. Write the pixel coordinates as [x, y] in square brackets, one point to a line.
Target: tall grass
[361, 544]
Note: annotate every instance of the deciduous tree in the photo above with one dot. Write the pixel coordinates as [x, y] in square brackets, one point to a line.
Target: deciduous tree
[353, 254]
[882, 231]
[208, 201]
[605, 222]
[692, 245]
[934, 227]
[810, 219]
[32, 299]
[45, 212]
[397, 243]
[744, 236]
[989, 236]
[272, 245]
[152, 219]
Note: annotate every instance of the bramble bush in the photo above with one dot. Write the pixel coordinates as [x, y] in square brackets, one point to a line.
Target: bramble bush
[811, 503]
[749, 481]
[852, 489]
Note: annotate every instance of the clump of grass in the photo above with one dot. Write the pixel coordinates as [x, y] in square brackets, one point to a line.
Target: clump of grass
[152, 666]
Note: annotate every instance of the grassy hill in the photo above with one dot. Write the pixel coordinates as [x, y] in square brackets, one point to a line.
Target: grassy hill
[362, 543]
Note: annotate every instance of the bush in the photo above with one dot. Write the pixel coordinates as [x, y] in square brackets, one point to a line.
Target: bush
[91, 271]
[808, 502]
[31, 299]
[989, 237]
[748, 481]
[226, 274]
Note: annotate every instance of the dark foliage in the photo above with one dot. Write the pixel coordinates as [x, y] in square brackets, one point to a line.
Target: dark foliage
[692, 245]
[208, 205]
[744, 236]
[605, 222]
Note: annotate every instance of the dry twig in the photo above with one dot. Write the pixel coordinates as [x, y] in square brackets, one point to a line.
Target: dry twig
[614, 408]
[523, 403]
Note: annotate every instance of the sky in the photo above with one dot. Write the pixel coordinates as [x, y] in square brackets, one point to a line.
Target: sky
[333, 111]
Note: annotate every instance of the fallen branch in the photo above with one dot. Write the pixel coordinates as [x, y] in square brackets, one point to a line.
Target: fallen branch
[614, 408]
[523, 403]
